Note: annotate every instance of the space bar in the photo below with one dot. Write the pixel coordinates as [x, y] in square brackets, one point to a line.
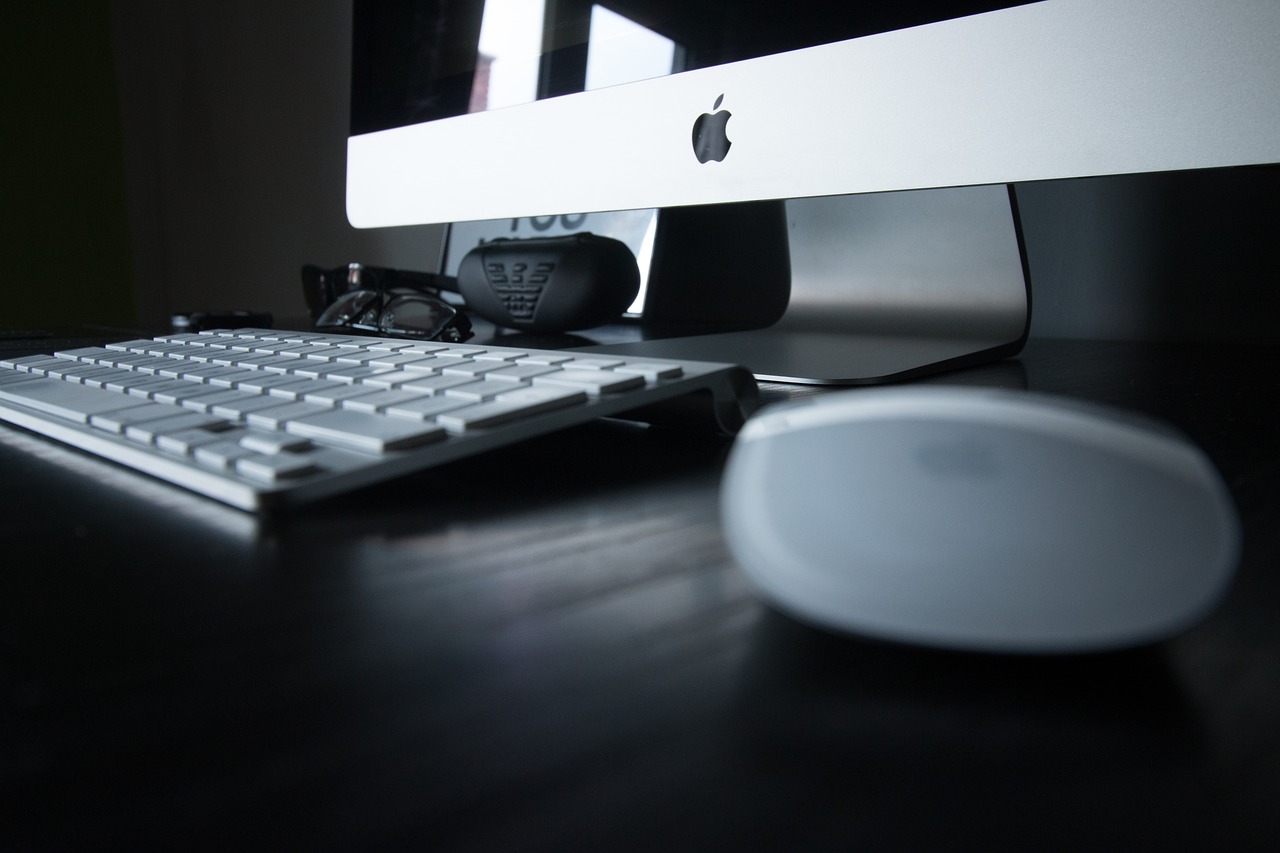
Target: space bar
[66, 400]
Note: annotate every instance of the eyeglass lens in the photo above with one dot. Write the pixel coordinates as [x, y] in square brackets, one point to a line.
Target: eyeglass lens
[415, 315]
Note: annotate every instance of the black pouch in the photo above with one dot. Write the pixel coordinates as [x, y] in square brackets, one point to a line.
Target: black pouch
[550, 284]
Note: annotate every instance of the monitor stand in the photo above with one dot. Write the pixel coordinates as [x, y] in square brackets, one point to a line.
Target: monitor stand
[882, 287]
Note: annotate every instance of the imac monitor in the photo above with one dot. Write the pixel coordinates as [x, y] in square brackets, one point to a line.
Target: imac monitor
[704, 115]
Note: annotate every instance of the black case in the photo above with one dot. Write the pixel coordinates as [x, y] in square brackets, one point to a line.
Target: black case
[550, 284]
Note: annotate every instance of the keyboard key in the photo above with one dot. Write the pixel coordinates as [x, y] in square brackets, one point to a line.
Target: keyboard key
[272, 469]
[652, 371]
[78, 371]
[355, 357]
[436, 384]
[151, 364]
[511, 406]
[116, 421]
[520, 372]
[266, 361]
[159, 348]
[545, 358]
[221, 454]
[425, 408]
[315, 352]
[353, 373]
[334, 396]
[11, 377]
[233, 377]
[501, 355]
[396, 360]
[398, 377]
[181, 338]
[485, 389]
[360, 431]
[267, 381]
[588, 362]
[454, 351]
[36, 364]
[126, 383]
[206, 402]
[472, 368]
[388, 345]
[149, 432]
[278, 347]
[300, 389]
[594, 382]
[277, 417]
[112, 374]
[235, 410]
[176, 393]
[183, 442]
[89, 354]
[67, 400]
[156, 385]
[379, 400]
[274, 442]
[195, 371]
[126, 359]
[139, 345]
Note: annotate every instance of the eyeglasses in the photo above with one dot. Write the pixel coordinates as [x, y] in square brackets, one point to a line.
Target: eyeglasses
[386, 302]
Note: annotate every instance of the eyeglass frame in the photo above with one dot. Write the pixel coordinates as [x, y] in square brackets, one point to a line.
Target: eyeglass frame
[324, 288]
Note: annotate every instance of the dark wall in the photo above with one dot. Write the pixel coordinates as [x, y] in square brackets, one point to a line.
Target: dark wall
[235, 125]
[64, 241]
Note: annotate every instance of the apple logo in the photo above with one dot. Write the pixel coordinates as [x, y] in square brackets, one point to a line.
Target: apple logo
[710, 142]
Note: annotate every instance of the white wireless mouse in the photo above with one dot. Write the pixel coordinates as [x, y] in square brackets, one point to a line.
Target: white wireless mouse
[978, 520]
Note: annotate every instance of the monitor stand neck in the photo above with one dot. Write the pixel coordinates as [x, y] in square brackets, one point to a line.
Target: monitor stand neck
[845, 290]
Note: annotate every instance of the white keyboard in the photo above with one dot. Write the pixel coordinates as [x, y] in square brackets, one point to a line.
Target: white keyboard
[257, 418]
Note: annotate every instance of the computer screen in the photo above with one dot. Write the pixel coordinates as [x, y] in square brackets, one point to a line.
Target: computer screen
[534, 116]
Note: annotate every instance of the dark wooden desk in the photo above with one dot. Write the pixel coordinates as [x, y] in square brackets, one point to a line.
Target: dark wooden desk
[525, 653]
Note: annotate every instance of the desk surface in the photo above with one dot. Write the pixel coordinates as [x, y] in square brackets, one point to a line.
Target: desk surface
[517, 652]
